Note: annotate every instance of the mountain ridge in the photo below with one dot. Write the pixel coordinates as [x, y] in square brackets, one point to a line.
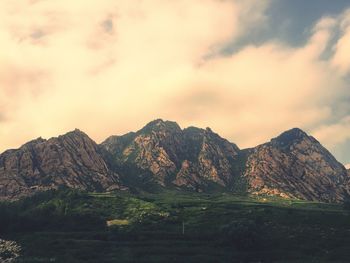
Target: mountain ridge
[295, 165]
[162, 154]
[70, 160]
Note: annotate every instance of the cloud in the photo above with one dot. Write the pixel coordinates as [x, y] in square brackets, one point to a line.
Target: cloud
[2, 117]
[109, 67]
[104, 66]
[341, 59]
[261, 91]
[334, 134]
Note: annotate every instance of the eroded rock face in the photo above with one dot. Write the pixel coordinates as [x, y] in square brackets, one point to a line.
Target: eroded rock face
[163, 155]
[71, 160]
[295, 165]
[291, 165]
[154, 150]
[188, 158]
[208, 157]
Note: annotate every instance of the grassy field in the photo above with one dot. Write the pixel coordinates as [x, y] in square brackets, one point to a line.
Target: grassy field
[70, 226]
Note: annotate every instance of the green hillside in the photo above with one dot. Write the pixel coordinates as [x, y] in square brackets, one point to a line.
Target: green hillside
[170, 226]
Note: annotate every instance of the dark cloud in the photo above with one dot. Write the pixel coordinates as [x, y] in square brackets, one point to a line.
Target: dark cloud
[108, 25]
[289, 21]
[301, 16]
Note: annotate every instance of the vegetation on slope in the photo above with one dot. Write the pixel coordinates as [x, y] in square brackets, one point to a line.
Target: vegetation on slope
[71, 226]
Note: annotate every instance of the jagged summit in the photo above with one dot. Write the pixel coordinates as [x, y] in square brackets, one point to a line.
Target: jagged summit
[74, 133]
[33, 142]
[290, 137]
[160, 125]
[191, 158]
[161, 154]
[292, 134]
[72, 160]
[295, 164]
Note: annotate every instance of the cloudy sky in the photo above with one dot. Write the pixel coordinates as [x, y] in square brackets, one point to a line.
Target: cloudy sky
[249, 69]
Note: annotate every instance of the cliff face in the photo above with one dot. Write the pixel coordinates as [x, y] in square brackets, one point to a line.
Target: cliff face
[163, 155]
[151, 152]
[295, 165]
[191, 158]
[208, 159]
[71, 160]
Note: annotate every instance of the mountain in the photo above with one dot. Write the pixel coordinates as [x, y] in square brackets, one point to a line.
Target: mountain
[296, 165]
[71, 160]
[162, 155]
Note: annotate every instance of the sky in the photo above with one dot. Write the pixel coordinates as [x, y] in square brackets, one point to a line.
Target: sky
[249, 69]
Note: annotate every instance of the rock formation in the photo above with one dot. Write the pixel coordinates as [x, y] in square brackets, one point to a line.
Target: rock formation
[295, 165]
[191, 158]
[292, 165]
[71, 160]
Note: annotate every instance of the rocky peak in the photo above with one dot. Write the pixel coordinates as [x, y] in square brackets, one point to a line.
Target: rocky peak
[171, 155]
[293, 134]
[209, 130]
[75, 132]
[295, 165]
[71, 160]
[76, 135]
[33, 142]
[291, 137]
[160, 125]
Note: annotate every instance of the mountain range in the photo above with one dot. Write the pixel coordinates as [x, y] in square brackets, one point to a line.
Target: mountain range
[162, 155]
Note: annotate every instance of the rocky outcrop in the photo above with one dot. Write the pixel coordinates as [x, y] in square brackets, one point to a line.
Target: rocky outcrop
[71, 160]
[292, 165]
[208, 159]
[295, 165]
[152, 151]
[190, 158]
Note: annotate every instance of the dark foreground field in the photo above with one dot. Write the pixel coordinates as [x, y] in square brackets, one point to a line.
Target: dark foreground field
[70, 226]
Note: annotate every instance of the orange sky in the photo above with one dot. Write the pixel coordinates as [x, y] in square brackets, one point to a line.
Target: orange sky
[108, 67]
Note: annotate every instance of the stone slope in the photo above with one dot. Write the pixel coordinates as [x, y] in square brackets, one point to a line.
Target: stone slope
[208, 158]
[189, 158]
[292, 165]
[71, 160]
[296, 165]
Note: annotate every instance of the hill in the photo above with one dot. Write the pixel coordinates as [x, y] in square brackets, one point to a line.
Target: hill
[73, 226]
